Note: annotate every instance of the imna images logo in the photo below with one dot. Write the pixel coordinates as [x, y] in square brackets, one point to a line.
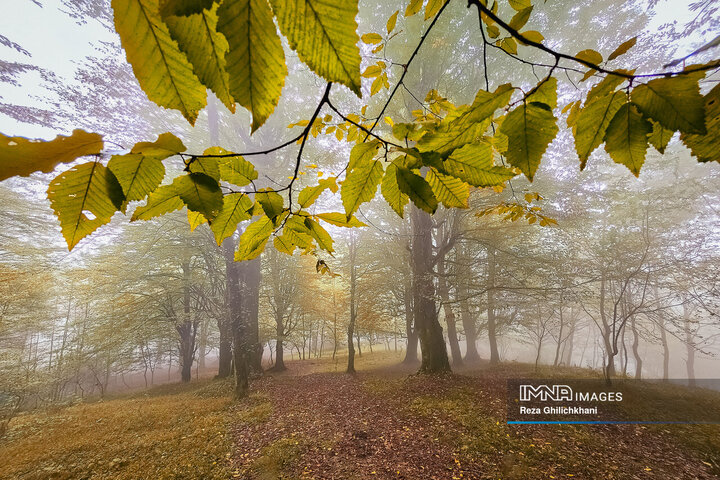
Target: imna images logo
[544, 393]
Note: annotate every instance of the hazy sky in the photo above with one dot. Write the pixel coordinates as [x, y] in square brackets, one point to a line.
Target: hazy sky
[58, 43]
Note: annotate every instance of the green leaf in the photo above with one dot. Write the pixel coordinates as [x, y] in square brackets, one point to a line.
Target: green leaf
[253, 239]
[592, 124]
[163, 71]
[321, 236]
[530, 128]
[324, 34]
[309, 194]
[340, 220]
[707, 147]
[272, 203]
[468, 127]
[138, 175]
[623, 48]
[362, 153]
[235, 169]
[236, 208]
[391, 191]
[165, 146]
[163, 200]
[509, 45]
[255, 60]
[205, 48]
[605, 87]
[626, 139]
[84, 198]
[450, 191]
[520, 18]
[360, 185]
[207, 165]
[660, 137]
[184, 7]
[545, 92]
[22, 156]
[419, 191]
[674, 102]
[533, 36]
[201, 193]
[473, 164]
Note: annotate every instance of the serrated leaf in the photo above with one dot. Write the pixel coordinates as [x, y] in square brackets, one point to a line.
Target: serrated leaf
[419, 191]
[324, 34]
[340, 220]
[391, 191]
[195, 219]
[235, 169]
[604, 87]
[450, 191]
[433, 7]
[207, 165]
[545, 92]
[592, 124]
[360, 185]
[530, 128]
[473, 164]
[84, 198]
[236, 208]
[321, 236]
[163, 71]
[591, 56]
[660, 137]
[674, 102]
[309, 194]
[163, 200]
[363, 153]
[138, 175]
[623, 48]
[283, 244]
[165, 146]
[255, 59]
[392, 21]
[271, 202]
[201, 193]
[626, 138]
[22, 156]
[253, 239]
[707, 147]
[520, 18]
[184, 7]
[205, 48]
[413, 7]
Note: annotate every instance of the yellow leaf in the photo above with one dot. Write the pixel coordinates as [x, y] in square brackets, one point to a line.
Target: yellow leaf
[163, 71]
[433, 7]
[22, 156]
[392, 21]
[413, 7]
[371, 38]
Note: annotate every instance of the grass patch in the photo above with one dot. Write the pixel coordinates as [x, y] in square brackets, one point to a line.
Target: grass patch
[178, 434]
[277, 460]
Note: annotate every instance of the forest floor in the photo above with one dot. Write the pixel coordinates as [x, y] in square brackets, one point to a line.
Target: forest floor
[315, 422]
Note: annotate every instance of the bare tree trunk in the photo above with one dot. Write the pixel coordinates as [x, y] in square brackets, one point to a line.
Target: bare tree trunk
[444, 292]
[689, 345]
[434, 357]
[352, 258]
[666, 349]
[187, 329]
[491, 323]
[411, 352]
[636, 349]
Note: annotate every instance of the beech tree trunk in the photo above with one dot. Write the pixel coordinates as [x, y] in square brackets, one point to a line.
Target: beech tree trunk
[411, 352]
[352, 258]
[444, 292]
[491, 323]
[689, 345]
[434, 357]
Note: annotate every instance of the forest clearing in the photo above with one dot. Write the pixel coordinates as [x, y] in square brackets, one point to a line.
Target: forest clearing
[316, 422]
[420, 240]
